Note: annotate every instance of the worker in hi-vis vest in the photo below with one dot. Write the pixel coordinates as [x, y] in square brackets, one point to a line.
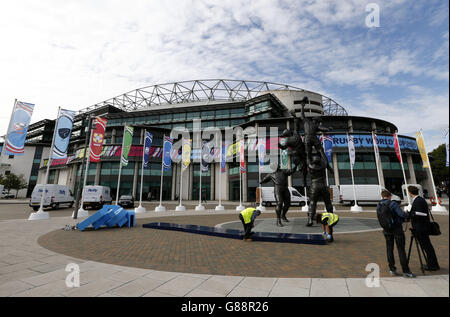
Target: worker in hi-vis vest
[248, 216]
[328, 221]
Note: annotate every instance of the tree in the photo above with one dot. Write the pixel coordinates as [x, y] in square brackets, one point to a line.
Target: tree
[437, 162]
[12, 181]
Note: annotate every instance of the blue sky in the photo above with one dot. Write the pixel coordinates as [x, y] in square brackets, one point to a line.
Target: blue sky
[77, 53]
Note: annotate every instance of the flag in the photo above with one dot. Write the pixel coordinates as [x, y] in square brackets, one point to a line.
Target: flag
[446, 148]
[64, 126]
[351, 150]
[397, 148]
[375, 148]
[206, 152]
[261, 152]
[147, 148]
[98, 137]
[223, 158]
[127, 141]
[284, 159]
[167, 161]
[328, 147]
[242, 156]
[18, 128]
[422, 150]
[186, 154]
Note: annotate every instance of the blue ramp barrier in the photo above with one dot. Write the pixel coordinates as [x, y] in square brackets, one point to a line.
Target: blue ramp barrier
[110, 216]
[239, 234]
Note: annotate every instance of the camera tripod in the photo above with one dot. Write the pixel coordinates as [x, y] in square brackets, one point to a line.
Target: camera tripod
[419, 250]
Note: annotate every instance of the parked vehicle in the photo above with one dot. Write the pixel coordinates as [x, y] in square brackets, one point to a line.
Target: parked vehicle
[55, 196]
[126, 201]
[96, 196]
[268, 197]
[365, 194]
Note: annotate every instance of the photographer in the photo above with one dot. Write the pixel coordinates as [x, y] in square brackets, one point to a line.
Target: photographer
[394, 233]
[420, 222]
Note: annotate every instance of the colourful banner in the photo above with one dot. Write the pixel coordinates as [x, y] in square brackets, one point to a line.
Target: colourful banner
[328, 147]
[64, 126]
[422, 150]
[206, 153]
[167, 160]
[98, 137]
[261, 152]
[284, 162]
[147, 147]
[242, 157]
[397, 148]
[351, 150]
[18, 128]
[223, 159]
[446, 148]
[186, 154]
[127, 141]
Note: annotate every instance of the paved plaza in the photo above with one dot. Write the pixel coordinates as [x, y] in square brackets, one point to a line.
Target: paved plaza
[147, 262]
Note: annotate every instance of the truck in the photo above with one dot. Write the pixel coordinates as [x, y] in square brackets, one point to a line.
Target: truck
[365, 194]
[55, 196]
[268, 197]
[96, 196]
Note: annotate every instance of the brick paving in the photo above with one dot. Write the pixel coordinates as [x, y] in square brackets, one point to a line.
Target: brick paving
[138, 247]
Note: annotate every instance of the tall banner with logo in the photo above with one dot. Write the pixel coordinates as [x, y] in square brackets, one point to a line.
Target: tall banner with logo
[206, 152]
[397, 148]
[127, 141]
[64, 126]
[328, 147]
[242, 157]
[261, 153]
[223, 158]
[147, 147]
[97, 140]
[167, 160]
[423, 152]
[18, 128]
[351, 150]
[186, 155]
[284, 162]
[446, 148]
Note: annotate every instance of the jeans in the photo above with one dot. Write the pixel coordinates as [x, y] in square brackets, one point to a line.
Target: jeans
[247, 227]
[396, 234]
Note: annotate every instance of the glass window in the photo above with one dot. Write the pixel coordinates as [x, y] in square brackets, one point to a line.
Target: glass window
[224, 113]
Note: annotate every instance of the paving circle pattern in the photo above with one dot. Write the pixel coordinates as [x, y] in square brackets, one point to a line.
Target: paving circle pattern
[298, 225]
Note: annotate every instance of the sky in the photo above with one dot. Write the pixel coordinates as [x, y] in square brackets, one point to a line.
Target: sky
[75, 54]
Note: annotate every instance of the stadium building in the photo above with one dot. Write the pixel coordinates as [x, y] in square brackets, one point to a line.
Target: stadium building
[218, 103]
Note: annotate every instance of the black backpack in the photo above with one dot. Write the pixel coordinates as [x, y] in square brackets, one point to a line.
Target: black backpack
[384, 215]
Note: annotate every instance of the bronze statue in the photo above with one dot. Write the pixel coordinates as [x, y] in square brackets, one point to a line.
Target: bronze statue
[319, 188]
[281, 190]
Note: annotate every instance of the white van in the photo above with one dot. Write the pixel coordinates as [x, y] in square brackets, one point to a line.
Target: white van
[96, 196]
[55, 196]
[365, 194]
[268, 197]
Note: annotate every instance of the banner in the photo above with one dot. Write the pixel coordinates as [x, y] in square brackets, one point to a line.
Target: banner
[98, 137]
[284, 162]
[223, 159]
[351, 150]
[397, 148]
[206, 152]
[423, 152]
[261, 152]
[127, 141]
[167, 160]
[366, 141]
[446, 148]
[64, 125]
[242, 157]
[18, 128]
[147, 148]
[328, 147]
[186, 154]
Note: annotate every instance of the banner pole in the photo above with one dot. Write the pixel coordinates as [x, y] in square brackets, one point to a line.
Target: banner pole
[120, 166]
[141, 209]
[160, 207]
[355, 207]
[220, 207]
[404, 174]
[377, 161]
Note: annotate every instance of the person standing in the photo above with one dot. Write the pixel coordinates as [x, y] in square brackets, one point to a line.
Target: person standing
[248, 216]
[420, 222]
[395, 233]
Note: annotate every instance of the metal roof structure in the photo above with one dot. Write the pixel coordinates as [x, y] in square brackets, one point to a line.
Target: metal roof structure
[226, 90]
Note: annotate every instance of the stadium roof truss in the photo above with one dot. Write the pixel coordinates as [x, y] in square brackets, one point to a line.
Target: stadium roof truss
[202, 91]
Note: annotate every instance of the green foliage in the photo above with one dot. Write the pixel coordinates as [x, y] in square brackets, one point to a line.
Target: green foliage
[437, 160]
[12, 181]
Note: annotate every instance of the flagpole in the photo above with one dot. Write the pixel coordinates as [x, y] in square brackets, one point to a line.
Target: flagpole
[120, 167]
[200, 207]
[81, 212]
[161, 207]
[355, 207]
[6, 135]
[180, 207]
[141, 209]
[377, 161]
[404, 175]
[438, 206]
[326, 170]
[240, 207]
[41, 214]
[261, 207]
[220, 207]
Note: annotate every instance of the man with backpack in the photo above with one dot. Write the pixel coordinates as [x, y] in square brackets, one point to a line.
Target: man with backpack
[391, 218]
